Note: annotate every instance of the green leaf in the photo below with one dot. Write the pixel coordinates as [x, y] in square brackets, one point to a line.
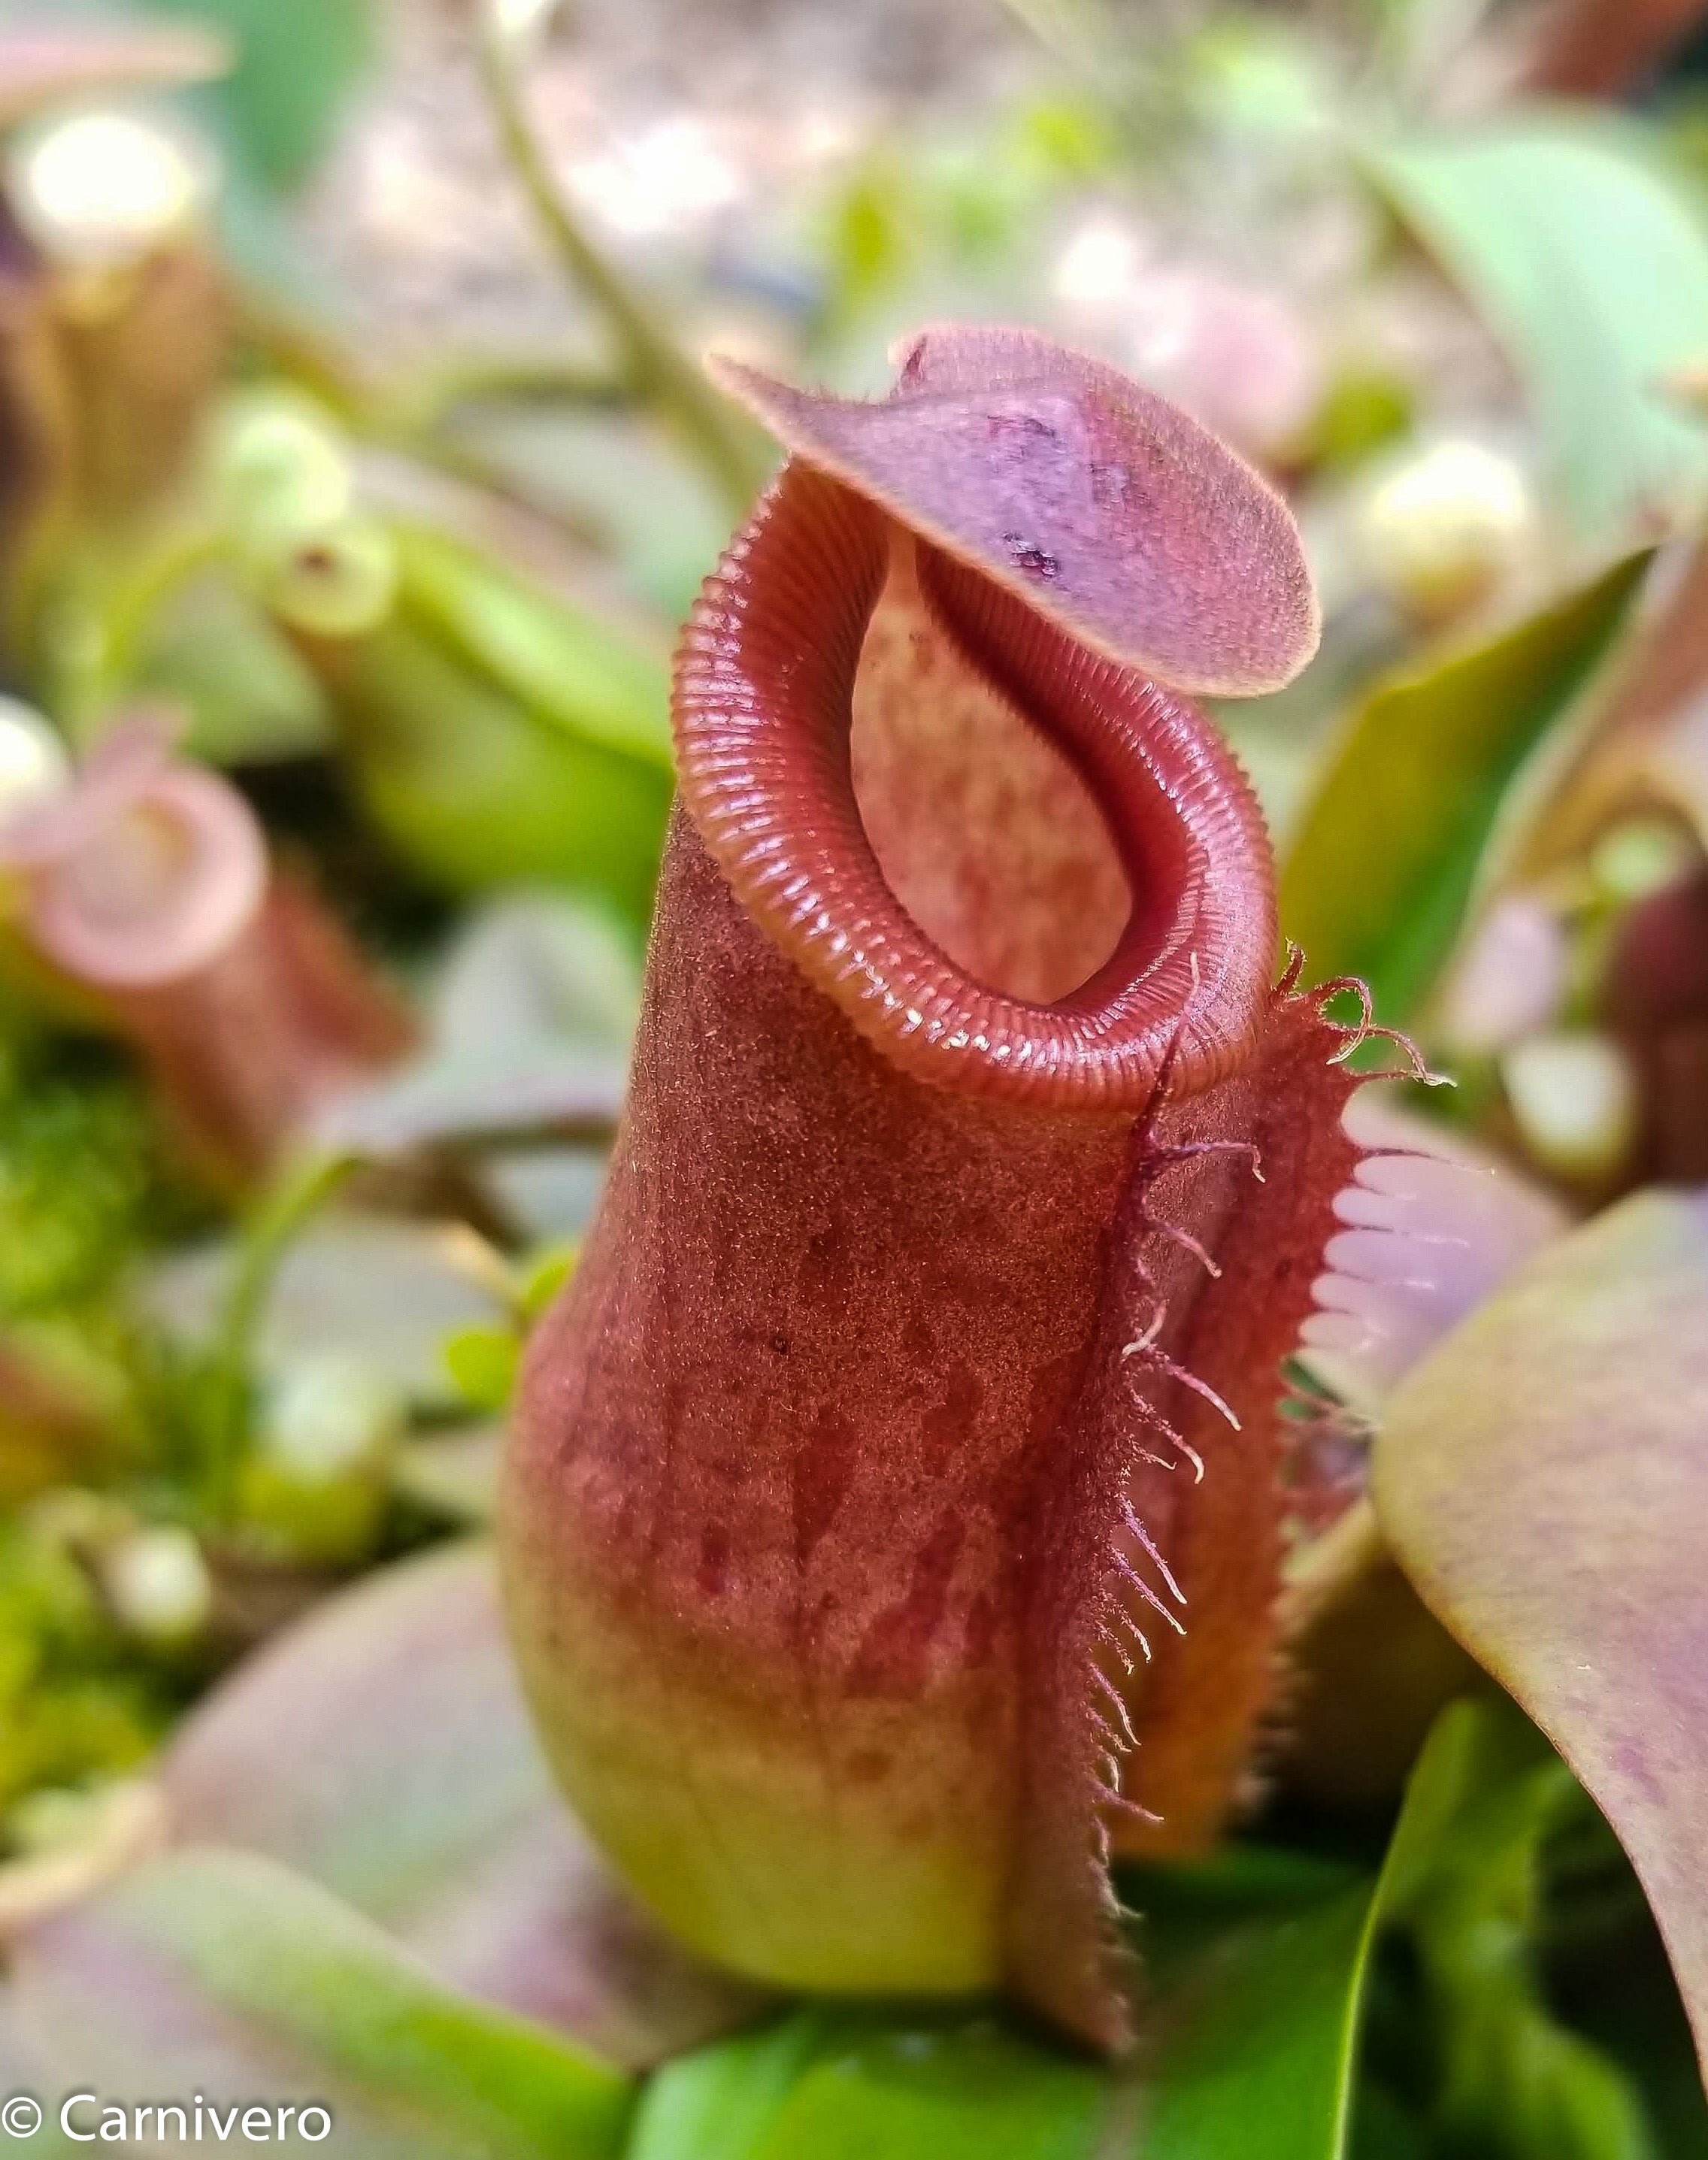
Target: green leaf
[1262, 2055]
[474, 787]
[558, 661]
[974, 2092]
[1481, 1796]
[721, 2103]
[542, 1276]
[1592, 265]
[1542, 1479]
[1255, 1963]
[838, 2086]
[1259, 1961]
[1387, 856]
[227, 1972]
[1464, 1878]
[297, 63]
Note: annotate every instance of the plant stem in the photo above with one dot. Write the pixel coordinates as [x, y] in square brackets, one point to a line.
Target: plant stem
[513, 380]
[88, 649]
[266, 1236]
[303, 1188]
[658, 370]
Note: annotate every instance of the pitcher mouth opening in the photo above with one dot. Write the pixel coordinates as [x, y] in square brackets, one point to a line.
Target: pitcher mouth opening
[1171, 960]
[988, 835]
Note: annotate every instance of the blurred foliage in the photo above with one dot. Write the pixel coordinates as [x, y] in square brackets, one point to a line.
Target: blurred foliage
[82, 1180]
[841, 2087]
[226, 1936]
[1384, 862]
[1461, 1898]
[417, 609]
[497, 738]
[73, 1703]
[1592, 262]
[297, 68]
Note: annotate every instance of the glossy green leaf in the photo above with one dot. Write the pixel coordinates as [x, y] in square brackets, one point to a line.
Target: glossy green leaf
[1255, 1963]
[1258, 1959]
[1258, 2042]
[1387, 856]
[1591, 263]
[227, 1973]
[972, 2093]
[1543, 1480]
[722, 2103]
[823, 2086]
[1480, 1798]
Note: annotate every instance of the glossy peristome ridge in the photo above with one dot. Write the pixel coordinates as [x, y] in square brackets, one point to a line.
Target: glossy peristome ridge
[764, 686]
[925, 1352]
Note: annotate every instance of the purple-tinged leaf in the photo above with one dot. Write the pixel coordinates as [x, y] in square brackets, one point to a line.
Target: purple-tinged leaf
[226, 1977]
[1543, 1479]
[1093, 499]
[381, 1748]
